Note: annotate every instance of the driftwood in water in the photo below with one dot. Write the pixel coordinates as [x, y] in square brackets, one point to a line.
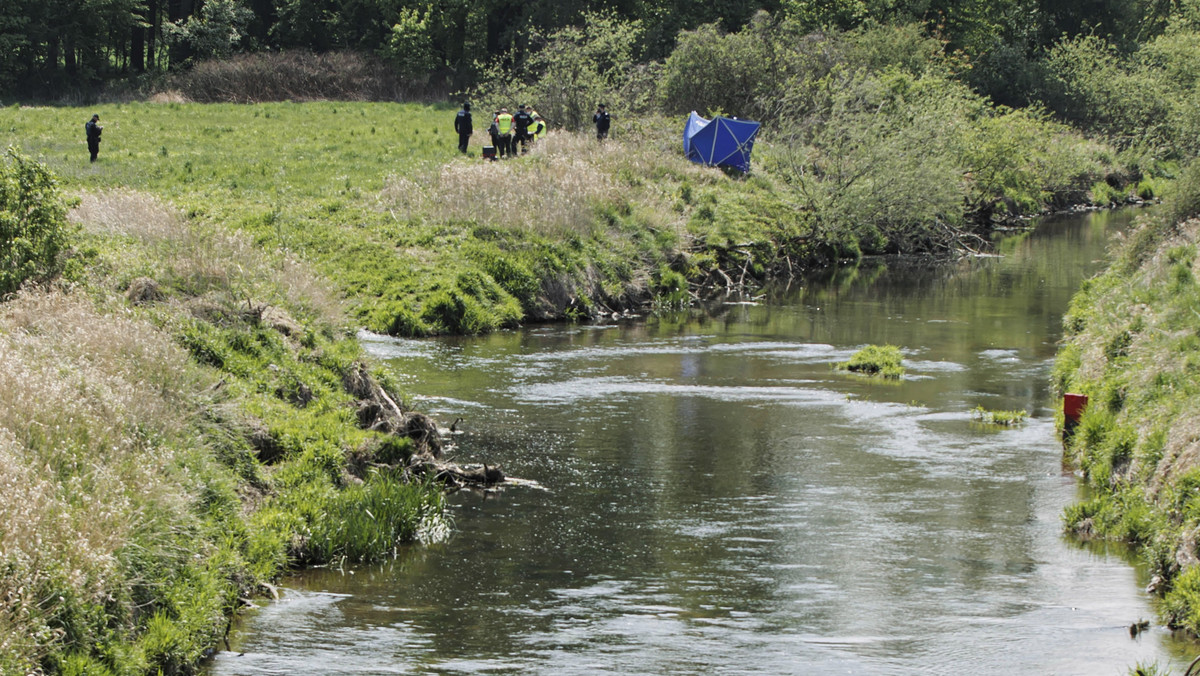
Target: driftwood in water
[379, 412]
[457, 476]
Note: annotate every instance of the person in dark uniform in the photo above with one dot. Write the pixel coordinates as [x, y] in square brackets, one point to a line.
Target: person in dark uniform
[522, 121]
[602, 120]
[93, 129]
[462, 125]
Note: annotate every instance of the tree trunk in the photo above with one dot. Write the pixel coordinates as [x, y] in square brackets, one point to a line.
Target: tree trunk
[137, 45]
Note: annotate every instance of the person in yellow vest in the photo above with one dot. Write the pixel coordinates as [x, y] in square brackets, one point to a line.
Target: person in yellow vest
[539, 127]
[504, 132]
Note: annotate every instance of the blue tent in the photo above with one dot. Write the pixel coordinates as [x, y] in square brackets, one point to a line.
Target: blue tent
[721, 141]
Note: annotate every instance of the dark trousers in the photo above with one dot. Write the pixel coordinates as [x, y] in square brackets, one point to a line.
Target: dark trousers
[504, 147]
[94, 147]
[521, 137]
[462, 141]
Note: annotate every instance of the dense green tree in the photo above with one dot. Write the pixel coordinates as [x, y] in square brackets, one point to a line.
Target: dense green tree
[33, 222]
[216, 31]
[564, 74]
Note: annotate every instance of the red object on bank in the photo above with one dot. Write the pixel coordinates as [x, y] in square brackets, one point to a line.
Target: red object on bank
[1073, 406]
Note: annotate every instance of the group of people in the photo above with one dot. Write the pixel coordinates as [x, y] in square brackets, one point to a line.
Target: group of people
[510, 131]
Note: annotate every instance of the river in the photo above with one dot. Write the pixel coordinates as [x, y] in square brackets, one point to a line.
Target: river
[714, 498]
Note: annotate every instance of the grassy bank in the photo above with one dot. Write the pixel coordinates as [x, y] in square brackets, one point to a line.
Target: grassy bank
[180, 422]
[1133, 347]
[424, 241]
[192, 377]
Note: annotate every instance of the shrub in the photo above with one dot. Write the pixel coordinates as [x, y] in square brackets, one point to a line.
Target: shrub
[33, 222]
[568, 71]
[671, 291]
[1087, 82]
[288, 76]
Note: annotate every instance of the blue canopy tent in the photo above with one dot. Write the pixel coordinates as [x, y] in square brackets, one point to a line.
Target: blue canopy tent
[721, 141]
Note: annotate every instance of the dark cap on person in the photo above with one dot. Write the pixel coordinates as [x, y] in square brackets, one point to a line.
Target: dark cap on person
[95, 117]
[466, 105]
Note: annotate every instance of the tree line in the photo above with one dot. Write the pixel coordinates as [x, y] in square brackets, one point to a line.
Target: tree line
[48, 47]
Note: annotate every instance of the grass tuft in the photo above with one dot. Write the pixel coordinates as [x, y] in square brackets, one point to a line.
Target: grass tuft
[1007, 418]
[884, 361]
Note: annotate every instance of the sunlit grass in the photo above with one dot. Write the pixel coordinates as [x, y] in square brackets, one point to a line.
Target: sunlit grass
[884, 361]
[132, 394]
[378, 199]
[999, 417]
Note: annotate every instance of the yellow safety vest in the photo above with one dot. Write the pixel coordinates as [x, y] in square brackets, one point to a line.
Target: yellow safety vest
[504, 123]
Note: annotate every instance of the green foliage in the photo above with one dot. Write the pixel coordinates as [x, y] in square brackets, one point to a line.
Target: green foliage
[568, 72]
[1007, 418]
[1130, 346]
[884, 361]
[1087, 81]
[671, 289]
[1105, 195]
[1183, 200]
[367, 522]
[1020, 161]
[1181, 604]
[34, 232]
[410, 47]
[716, 72]
[475, 304]
[215, 32]
[1152, 669]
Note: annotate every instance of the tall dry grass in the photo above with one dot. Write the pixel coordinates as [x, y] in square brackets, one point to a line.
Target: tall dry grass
[88, 404]
[99, 455]
[146, 238]
[558, 189]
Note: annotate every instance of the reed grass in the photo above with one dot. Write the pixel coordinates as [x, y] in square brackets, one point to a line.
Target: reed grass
[92, 406]
[136, 507]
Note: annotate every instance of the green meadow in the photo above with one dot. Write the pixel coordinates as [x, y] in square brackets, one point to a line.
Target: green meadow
[420, 238]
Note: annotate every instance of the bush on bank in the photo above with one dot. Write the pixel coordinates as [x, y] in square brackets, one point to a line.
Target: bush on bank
[1132, 346]
[176, 428]
[33, 222]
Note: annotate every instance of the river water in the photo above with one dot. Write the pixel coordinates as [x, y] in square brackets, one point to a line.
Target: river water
[715, 499]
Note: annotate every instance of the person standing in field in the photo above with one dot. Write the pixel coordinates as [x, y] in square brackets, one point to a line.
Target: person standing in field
[602, 120]
[462, 125]
[522, 121]
[93, 129]
[504, 129]
[494, 132]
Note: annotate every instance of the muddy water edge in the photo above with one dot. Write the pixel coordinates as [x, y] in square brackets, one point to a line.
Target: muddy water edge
[712, 497]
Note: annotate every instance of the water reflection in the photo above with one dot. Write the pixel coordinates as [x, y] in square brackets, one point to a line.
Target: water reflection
[720, 500]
